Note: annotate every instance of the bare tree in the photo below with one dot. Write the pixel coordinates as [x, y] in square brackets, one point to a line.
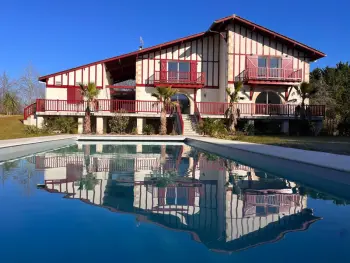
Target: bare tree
[30, 86]
[6, 85]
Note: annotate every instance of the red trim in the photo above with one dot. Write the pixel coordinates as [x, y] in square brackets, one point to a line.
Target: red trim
[260, 82]
[286, 94]
[239, 48]
[234, 50]
[95, 75]
[134, 53]
[119, 87]
[251, 93]
[142, 70]
[317, 54]
[65, 86]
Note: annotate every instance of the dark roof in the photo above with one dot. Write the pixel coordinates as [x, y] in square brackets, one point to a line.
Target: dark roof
[216, 25]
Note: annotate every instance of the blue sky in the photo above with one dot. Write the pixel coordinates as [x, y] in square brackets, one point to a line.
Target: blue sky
[59, 34]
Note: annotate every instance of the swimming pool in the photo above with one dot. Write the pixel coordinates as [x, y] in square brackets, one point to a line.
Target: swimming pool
[162, 202]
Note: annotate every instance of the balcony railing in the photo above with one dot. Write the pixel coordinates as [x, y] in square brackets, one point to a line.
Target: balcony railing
[103, 105]
[202, 108]
[276, 74]
[219, 108]
[29, 110]
[176, 77]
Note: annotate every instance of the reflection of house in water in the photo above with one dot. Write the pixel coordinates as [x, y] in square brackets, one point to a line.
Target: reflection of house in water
[225, 205]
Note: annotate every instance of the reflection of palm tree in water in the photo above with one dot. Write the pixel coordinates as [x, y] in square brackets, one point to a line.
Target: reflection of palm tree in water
[89, 181]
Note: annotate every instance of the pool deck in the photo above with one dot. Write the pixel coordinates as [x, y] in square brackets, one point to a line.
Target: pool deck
[217, 146]
[322, 159]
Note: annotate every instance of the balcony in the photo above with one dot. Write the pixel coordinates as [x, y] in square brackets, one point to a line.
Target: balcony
[260, 110]
[180, 79]
[254, 75]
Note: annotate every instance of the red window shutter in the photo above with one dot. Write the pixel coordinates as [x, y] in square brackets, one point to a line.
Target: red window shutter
[287, 66]
[193, 69]
[163, 64]
[70, 95]
[78, 95]
[252, 67]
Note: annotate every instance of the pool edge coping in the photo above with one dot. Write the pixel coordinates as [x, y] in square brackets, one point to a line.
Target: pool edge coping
[338, 162]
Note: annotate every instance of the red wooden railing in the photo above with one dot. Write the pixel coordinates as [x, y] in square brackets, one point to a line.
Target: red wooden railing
[176, 77]
[219, 108]
[131, 106]
[29, 110]
[281, 74]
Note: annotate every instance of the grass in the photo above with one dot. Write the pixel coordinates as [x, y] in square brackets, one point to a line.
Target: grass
[12, 127]
[337, 145]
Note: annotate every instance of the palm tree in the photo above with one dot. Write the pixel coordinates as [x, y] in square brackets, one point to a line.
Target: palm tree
[89, 92]
[305, 91]
[10, 103]
[164, 94]
[232, 112]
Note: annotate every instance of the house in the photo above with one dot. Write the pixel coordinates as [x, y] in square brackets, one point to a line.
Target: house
[201, 67]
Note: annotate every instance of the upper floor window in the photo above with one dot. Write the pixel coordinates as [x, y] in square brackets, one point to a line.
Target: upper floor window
[269, 62]
[58, 82]
[179, 66]
[178, 70]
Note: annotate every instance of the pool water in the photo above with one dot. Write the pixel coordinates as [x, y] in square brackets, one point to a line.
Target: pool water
[162, 203]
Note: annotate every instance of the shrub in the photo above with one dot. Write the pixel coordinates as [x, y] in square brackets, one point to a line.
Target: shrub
[212, 127]
[32, 130]
[249, 129]
[60, 124]
[148, 129]
[119, 122]
[134, 131]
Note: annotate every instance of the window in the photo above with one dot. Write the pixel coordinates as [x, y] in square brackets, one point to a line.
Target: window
[269, 67]
[262, 62]
[58, 83]
[178, 70]
[275, 62]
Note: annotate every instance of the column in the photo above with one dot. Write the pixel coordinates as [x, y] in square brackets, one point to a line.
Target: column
[39, 122]
[285, 127]
[140, 122]
[99, 148]
[80, 125]
[99, 125]
[139, 148]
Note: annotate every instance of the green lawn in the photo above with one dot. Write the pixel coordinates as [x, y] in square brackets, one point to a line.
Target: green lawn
[11, 127]
[338, 145]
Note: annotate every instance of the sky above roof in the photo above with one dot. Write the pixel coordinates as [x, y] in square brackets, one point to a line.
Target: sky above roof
[60, 34]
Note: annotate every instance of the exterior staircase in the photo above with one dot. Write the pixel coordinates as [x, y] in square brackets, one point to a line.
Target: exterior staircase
[190, 125]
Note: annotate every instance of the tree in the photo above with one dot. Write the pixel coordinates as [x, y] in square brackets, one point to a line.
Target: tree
[305, 91]
[30, 87]
[232, 112]
[89, 92]
[10, 103]
[333, 85]
[164, 94]
[6, 85]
